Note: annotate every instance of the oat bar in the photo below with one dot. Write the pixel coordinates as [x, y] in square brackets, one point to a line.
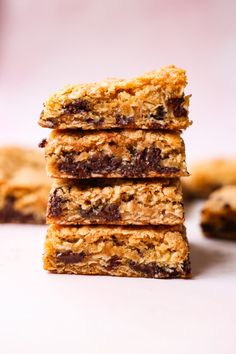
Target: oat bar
[154, 100]
[218, 218]
[155, 252]
[116, 201]
[24, 186]
[125, 153]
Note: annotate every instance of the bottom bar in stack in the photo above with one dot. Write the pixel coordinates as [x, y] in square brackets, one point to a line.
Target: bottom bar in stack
[154, 252]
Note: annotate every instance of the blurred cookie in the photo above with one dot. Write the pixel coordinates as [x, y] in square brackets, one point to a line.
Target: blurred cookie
[218, 218]
[24, 186]
[207, 176]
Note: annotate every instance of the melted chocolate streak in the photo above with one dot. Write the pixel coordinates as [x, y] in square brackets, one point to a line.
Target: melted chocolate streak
[109, 212]
[84, 107]
[141, 164]
[147, 269]
[175, 103]
[70, 257]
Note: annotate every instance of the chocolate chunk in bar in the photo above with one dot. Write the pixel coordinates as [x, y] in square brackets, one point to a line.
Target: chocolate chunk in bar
[78, 106]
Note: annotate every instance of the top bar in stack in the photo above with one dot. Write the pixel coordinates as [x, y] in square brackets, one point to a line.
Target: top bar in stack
[154, 100]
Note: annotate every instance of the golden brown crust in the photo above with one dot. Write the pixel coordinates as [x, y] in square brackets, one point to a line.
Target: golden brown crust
[121, 251]
[24, 186]
[119, 202]
[152, 101]
[115, 154]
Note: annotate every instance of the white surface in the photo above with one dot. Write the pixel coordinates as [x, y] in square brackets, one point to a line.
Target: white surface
[46, 313]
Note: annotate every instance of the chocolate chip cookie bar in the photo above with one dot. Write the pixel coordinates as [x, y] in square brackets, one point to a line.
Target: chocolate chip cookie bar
[154, 252]
[24, 186]
[154, 100]
[120, 202]
[218, 218]
[207, 176]
[115, 154]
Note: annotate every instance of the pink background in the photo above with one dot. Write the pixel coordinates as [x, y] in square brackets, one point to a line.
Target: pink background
[46, 44]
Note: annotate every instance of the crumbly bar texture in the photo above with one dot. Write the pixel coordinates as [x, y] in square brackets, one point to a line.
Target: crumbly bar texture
[209, 175]
[154, 252]
[24, 186]
[115, 154]
[154, 100]
[218, 218]
[119, 202]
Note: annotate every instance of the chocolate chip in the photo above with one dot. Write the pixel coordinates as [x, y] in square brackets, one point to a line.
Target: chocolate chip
[151, 156]
[180, 112]
[124, 121]
[186, 267]
[156, 125]
[94, 122]
[116, 241]
[70, 257]
[111, 143]
[55, 204]
[109, 212]
[113, 262]
[169, 170]
[89, 120]
[99, 122]
[159, 114]
[105, 163]
[132, 150]
[176, 103]
[98, 163]
[143, 161]
[125, 197]
[77, 106]
[152, 270]
[42, 143]
[150, 246]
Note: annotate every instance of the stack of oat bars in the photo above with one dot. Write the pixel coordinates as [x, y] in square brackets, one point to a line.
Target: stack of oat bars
[116, 156]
